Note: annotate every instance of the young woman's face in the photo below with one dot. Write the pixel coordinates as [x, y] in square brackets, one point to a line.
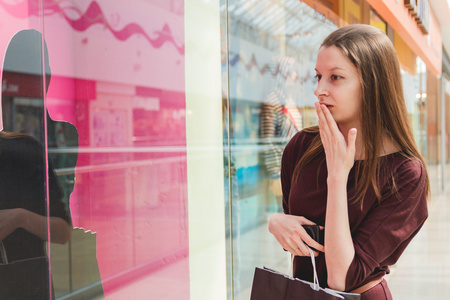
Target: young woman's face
[338, 86]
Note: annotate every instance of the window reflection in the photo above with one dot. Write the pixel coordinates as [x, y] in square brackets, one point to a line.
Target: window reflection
[23, 173]
[271, 58]
[117, 95]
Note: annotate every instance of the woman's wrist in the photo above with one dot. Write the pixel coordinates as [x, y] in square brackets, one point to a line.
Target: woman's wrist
[272, 220]
[341, 178]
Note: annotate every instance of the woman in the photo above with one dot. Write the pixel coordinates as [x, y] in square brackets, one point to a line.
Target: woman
[359, 174]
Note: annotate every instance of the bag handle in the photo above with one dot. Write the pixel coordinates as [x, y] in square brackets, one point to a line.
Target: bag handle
[3, 255]
[316, 285]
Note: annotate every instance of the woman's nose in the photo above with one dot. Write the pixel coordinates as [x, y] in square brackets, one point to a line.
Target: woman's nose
[321, 89]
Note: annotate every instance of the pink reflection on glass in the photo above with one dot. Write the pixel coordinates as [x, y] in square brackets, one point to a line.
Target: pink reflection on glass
[92, 16]
[131, 175]
[137, 192]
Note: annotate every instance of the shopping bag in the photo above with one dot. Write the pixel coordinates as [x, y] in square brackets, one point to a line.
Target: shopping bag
[25, 279]
[272, 285]
[85, 270]
[84, 274]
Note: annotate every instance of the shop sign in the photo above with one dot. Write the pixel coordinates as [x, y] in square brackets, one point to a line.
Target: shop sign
[10, 88]
[420, 11]
[22, 85]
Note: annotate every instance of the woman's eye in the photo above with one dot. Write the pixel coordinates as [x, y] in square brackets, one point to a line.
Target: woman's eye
[318, 77]
[335, 77]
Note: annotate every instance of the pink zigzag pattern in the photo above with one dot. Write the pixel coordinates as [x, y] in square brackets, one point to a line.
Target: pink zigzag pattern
[93, 15]
[253, 64]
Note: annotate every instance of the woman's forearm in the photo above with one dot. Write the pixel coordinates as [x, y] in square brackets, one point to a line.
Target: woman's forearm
[339, 249]
[60, 230]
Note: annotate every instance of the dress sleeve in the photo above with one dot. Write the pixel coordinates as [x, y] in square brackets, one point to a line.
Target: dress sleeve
[390, 225]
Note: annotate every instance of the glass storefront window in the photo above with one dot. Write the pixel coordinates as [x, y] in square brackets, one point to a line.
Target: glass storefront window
[446, 87]
[414, 88]
[102, 91]
[269, 75]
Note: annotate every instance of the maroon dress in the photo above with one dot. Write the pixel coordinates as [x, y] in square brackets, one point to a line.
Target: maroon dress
[380, 231]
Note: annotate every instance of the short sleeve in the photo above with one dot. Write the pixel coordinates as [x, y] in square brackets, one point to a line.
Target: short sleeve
[390, 225]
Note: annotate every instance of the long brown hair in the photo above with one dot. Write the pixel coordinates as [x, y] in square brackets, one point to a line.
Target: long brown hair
[383, 110]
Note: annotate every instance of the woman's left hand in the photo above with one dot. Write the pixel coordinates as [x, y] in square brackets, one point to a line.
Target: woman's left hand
[340, 154]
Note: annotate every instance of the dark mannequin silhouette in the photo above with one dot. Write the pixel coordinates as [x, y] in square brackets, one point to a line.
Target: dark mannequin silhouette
[23, 193]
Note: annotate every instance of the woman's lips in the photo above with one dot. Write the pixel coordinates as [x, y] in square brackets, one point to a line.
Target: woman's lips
[327, 105]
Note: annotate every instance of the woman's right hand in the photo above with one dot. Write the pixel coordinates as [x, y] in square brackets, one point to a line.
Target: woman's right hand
[289, 232]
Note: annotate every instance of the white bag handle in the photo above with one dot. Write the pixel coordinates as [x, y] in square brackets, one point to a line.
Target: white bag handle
[316, 285]
[3, 255]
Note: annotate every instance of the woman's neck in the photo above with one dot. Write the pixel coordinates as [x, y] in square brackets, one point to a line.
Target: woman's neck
[359, 153]
[388, 146]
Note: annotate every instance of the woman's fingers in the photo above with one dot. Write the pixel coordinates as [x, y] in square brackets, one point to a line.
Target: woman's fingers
[323, 123]
[339, 152]
[298, 248]
[305, 221]
[301, 249]
[330, 120]
[291, 235]
[327, 126]
[306, 240]
[325, 134]
[329, 130]
[313, 243]
[351, 145]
